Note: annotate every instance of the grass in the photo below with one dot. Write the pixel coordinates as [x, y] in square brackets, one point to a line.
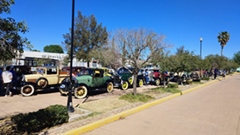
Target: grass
[168, 90]
[136, 98]
[197, 82]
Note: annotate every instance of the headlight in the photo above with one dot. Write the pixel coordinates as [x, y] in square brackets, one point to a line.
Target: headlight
[62, 86]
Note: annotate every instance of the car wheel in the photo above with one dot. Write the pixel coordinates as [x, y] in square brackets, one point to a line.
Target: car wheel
[157, 82]
[124, 85]
[140, 82]
[62, 92]
[27, 90]
[110, 87]
[130, 80]
[80, 92]
[42, 83]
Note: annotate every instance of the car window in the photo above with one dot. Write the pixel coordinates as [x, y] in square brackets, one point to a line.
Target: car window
[156, 71]
[51, 71]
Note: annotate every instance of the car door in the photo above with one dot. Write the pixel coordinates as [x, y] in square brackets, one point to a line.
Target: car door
[52, 76]
[98, 79]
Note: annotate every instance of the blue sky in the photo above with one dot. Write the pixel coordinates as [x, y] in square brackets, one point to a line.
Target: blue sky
[183, 22]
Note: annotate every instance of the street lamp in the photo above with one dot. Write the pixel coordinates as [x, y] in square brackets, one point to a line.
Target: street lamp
[201, 39]
[69, 101]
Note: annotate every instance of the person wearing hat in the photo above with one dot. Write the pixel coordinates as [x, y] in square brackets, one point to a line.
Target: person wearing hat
[7, 79]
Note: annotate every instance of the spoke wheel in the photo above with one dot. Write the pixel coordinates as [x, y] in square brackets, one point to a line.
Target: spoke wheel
[42, 83]
[80, 92]
[140, 83]
[27, 90]
[124, 85]
[157, 82]
[110, 87]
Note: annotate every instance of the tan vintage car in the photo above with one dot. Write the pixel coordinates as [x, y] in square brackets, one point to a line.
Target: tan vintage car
[41, 78]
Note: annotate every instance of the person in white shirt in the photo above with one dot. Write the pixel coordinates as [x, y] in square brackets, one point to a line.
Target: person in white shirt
[7, 79]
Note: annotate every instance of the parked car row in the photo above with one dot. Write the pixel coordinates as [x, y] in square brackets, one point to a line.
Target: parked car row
[85, 80]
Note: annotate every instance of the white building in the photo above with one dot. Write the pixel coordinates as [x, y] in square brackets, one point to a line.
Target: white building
[32, 58]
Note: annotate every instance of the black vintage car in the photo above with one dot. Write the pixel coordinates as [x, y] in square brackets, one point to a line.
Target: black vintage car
[128, 78]
[18, 71]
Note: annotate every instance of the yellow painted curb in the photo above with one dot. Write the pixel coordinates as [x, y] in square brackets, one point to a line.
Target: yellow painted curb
[119, 116]
[122, 115]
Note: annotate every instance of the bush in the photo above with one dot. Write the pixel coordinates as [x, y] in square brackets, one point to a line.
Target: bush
[130, 97]
[43, 118]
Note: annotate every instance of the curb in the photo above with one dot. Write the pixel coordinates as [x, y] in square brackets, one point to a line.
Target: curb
[126, 113]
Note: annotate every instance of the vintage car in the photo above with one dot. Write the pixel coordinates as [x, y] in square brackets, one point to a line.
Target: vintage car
[91, 79]
[154, 76]
[128, 78]
[41, 78]
[180, 78]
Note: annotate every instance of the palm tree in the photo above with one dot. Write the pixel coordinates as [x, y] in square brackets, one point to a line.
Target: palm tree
[223, 38]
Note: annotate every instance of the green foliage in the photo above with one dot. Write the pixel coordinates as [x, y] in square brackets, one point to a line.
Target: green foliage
[223, 38]
[53, 49]
[236, 58]
[184, 60]
[130, 97]
[171, 89]
[205, 78]
[5, 6]
[88, 35]
[221, 62]
[43, 118]
[11, 41]
[172, 85]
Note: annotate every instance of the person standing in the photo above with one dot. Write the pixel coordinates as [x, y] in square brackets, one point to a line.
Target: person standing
[147, 76]
[7, 79]
[215, 73]
[224, 74]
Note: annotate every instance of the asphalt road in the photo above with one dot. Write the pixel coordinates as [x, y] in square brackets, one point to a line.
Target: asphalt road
[210, 110]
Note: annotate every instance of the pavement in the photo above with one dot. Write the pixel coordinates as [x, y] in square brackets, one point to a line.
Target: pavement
[19, 104]
[211, 110]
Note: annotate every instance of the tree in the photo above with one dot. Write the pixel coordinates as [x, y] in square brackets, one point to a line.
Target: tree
[216, 61]
[223, 38]
[53, 49]
[137, 46]
[12, 43]
[88, 35]
[184, 60]
[236, 58]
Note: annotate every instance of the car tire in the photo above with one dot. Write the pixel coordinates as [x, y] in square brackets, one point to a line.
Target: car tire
[80, 92]
[27, 90]
[62, 92]
[157, 82]
[140, 82]
[42, 83]
[124, 85]
[109, 87]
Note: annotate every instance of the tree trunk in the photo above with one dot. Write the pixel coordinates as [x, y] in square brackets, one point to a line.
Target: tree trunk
[135, 85]
[222, 50]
